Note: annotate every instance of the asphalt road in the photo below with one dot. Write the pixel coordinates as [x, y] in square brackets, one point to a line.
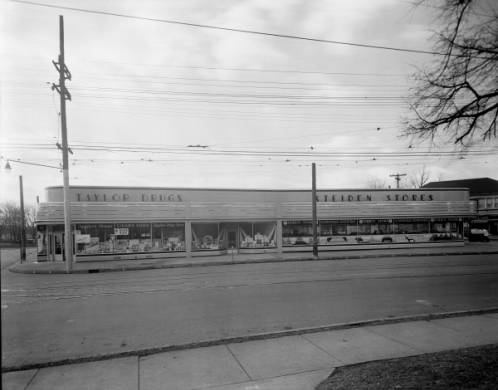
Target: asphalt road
[52, 317]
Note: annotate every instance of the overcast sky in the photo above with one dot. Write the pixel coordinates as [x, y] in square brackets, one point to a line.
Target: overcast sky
[146, 93]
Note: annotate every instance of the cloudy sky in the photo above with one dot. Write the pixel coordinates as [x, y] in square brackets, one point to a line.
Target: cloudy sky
[160, 104]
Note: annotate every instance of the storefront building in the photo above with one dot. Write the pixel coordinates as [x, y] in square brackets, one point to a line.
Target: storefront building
[483, 192]
[115, 223]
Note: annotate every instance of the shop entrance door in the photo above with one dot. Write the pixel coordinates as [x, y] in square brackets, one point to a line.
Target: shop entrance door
[232, 234]
[232, 239]
[56, 246]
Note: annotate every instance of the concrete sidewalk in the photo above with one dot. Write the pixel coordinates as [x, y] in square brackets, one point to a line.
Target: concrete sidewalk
[296, 362]
[32, 267]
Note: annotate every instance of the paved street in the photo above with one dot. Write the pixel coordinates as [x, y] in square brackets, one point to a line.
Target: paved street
[297, 362]
[53, 317]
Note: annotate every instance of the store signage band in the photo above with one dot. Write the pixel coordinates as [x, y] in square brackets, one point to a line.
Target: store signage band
[408, 196]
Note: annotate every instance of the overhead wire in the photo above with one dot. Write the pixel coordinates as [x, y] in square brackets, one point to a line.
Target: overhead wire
[237, 30]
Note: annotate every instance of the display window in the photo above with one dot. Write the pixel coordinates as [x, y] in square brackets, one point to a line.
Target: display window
[410, 226]
[386, 231]
[297, 233]
[257, 235]
[132, 237]
[446, 229]
[94, 239]
[168, 237]
[208, 236]
[340, 232]
[375, 226]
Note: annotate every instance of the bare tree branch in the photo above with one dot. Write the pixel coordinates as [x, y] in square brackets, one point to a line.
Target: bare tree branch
[458, 96]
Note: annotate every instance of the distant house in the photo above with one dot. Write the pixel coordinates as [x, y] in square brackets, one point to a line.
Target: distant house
[484, 192]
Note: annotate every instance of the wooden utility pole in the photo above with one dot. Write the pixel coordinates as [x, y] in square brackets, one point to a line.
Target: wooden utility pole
[397, 176]
[23, 223]
[314, 216]
[64, 75]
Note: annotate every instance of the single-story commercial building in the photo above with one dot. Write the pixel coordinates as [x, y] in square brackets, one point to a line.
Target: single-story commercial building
[483, 192]
[115, 223]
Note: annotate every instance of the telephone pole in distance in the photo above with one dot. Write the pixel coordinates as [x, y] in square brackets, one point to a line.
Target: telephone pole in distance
[397, 176]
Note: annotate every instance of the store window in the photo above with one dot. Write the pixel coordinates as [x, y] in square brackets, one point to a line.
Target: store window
[445, 229]
[132, 237]
[411, 226]
[208, 236]
[375, 226]
[297, 233]
[94, 239]
[257, 235]
[339, 228]
[168, 237]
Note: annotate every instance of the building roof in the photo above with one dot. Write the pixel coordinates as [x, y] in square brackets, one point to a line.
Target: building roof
[477, 187]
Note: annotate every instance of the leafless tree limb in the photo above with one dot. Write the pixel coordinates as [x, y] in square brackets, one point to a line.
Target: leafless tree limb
[458, 96]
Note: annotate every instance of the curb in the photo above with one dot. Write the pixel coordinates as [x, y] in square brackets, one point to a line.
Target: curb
[140, 267]
[241, 339]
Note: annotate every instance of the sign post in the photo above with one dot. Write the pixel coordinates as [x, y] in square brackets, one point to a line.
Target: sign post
[314, 216]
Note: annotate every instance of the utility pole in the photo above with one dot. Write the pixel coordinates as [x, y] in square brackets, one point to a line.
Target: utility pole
[397, 177]
[23, 223]
[314, 218]
[64, 75]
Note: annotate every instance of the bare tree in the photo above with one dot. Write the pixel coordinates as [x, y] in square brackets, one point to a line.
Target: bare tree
[420, 178]
[10, 222]
[458, 95]
[376, 183]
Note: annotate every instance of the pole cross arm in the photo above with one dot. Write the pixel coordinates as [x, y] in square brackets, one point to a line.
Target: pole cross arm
[59, 146]
[67, 95]
[67, 73]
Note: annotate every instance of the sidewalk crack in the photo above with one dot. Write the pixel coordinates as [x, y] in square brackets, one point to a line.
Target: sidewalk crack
[239, 363]
[321, 349]
[31, 380]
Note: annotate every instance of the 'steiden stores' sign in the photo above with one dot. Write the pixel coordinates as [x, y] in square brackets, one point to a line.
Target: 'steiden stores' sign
[369, 197]
[128, 197]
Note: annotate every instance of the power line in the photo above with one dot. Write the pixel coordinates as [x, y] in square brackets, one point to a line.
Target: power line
[264, 70]
[238, 151]
[261, 70]
[244, 31]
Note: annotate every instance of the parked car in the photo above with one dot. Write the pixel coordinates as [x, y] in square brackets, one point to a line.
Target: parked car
[479, 235]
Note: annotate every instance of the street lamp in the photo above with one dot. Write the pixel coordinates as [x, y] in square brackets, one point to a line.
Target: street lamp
[8, 168]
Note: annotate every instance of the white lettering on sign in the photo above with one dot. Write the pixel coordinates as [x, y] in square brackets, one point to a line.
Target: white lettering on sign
[121, 231]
